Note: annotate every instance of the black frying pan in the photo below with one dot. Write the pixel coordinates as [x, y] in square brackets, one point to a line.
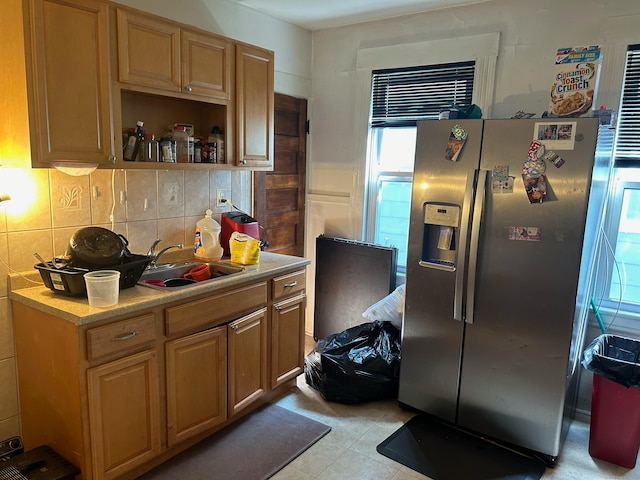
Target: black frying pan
[93, 247]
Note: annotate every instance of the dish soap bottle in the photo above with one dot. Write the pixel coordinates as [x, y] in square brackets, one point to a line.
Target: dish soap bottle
[206, 246]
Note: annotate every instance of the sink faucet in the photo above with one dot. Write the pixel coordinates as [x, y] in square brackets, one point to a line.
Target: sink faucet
[156, 256]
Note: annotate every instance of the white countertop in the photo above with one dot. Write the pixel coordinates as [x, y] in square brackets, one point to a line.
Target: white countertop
[76, 309]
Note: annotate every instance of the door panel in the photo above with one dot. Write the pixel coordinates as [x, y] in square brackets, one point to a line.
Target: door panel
[525, 293]
[431, 338]
[280, 194]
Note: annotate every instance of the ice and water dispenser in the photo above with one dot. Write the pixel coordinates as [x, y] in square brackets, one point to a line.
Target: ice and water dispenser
[439, 240]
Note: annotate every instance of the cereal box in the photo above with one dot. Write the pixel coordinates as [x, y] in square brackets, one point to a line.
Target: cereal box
[575, 81]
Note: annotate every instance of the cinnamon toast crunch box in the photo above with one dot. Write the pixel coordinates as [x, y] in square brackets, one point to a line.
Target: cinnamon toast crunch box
[575, 81]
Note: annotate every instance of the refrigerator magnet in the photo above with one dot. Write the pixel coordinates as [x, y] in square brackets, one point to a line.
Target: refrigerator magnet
[529, 234]
[535, 183]
[554, 158]
[536, 188]
[457, 137]
[501, 182]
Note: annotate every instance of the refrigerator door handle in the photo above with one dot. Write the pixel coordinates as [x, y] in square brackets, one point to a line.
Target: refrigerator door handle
[473, 250]
[461, 259]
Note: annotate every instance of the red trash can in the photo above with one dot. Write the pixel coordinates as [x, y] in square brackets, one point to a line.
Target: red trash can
[615, 422]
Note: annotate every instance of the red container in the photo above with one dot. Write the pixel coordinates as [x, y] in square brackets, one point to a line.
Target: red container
[614, 435]
[237, 222]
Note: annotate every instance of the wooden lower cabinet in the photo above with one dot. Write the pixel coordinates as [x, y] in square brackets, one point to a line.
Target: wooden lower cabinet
[124, 414]
[118, 397]
[247, 360]
[287, 339]
[196, 383]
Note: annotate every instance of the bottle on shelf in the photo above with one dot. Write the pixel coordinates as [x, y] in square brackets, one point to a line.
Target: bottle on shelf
[197, 151]
[217, 136]
[182, 144]
[152, 150]
[168, 149]
[190, 149]
[212, 155]
[131, 149]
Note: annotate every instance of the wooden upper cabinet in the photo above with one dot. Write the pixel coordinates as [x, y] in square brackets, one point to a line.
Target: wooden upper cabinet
[68, 82]
[158, 54]
[254, 107]
[148, 51]
[206, 61]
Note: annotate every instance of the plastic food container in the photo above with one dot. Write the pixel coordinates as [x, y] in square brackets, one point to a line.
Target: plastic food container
[103, 287]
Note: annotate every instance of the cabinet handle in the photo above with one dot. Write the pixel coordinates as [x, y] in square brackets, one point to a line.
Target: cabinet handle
[112, 158]
[292, 284]
[188, 88]
[234, 328]
[125, 336]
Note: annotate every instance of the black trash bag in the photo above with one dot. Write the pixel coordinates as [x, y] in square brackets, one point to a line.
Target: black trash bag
[357, 365]
[615, 358]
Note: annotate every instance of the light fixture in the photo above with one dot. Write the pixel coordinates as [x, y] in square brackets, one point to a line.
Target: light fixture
[4, 197]
[75, 169]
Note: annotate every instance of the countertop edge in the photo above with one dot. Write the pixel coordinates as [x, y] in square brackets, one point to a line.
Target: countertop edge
[78, 311]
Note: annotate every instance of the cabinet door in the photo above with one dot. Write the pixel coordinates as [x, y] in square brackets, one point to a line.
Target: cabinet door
[287, 340]
[254, 107]
[148, 51]
[196, 383]
[205, 65]
[247, 360]
[69, 82]
[124, 414]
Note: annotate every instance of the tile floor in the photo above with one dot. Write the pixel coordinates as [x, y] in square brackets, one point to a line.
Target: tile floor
[349, 450]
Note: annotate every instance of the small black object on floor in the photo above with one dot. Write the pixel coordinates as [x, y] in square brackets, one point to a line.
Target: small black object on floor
[40, 463]
[443, 452]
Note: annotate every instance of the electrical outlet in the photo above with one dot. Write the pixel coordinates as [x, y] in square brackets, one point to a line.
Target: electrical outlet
[221, 197]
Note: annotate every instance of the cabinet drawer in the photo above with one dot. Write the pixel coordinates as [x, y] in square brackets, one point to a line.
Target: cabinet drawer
[288, 284]
[217, 308]
[121, 336]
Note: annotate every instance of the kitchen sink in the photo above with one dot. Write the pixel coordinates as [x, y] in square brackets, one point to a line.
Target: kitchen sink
[170, 276]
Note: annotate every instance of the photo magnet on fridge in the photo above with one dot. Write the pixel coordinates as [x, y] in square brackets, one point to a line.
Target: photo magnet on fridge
[457, 137]
[535, 183]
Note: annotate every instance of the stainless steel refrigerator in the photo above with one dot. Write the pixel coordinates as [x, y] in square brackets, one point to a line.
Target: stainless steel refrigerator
[499, 273]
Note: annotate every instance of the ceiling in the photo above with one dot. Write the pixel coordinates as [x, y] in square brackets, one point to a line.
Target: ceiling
[318, 14]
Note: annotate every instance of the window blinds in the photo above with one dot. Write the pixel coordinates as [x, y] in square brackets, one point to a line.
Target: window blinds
[401, 97]
[627, 152]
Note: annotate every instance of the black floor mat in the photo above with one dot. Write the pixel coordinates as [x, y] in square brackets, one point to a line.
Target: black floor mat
[443, 452]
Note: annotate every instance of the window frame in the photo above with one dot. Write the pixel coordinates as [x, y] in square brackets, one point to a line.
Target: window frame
[461, 77]
[616, 313]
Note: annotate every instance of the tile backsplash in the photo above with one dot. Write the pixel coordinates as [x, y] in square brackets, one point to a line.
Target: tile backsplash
[48, 206]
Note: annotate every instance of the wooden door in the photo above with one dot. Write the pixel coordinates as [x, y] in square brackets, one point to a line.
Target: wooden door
[280, 194]
[196, 383]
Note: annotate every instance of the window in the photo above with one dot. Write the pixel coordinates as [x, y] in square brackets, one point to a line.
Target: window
[619, 275]
[399, 98]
